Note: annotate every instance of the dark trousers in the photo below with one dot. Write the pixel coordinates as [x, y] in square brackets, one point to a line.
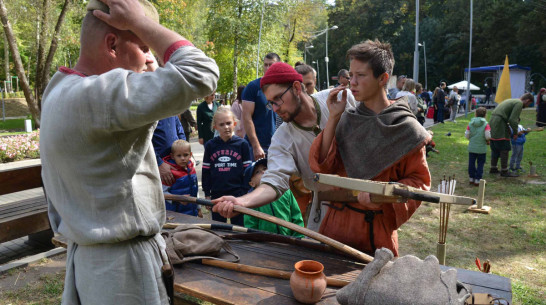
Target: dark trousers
[421, 120]
[440, 114]
[500, 149]
[473, 171]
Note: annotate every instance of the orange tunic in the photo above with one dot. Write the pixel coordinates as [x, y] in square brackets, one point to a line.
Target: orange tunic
[348, 226]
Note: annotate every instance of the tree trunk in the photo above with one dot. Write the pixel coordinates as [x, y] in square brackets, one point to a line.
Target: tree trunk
[40, 57]
[290, 39]
[6, 61]
[236, 50]
[52, 49]
[18, 64]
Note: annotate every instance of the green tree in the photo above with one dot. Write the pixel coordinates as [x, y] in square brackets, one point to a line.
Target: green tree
[36, 33]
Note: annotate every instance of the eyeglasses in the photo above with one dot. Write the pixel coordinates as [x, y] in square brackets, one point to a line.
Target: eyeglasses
[270, 104]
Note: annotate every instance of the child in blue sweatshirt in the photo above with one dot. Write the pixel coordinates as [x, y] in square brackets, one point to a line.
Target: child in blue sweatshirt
[185, 178]
[224, 162]
[517, 148]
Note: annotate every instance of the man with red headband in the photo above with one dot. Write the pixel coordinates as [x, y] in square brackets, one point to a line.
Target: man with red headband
[98, 164]
[304, 116]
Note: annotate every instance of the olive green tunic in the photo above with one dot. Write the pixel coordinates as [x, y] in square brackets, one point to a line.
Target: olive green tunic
[506, 114]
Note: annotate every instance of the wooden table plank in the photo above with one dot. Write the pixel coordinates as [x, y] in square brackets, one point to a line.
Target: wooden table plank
[280, 256]
[222, 286]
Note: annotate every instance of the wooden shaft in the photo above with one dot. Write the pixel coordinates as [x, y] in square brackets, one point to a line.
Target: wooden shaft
[312, 234]
[389, 189]
[266, 271]
[481, 194]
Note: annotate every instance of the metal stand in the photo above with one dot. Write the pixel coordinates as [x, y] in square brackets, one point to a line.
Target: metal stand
[480, 208]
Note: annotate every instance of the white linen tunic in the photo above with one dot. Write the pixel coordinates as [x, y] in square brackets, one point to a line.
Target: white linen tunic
[289, 154]
[101, 177]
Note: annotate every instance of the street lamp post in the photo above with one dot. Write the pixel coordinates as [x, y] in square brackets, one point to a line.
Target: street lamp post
[416, 52]
[305, 52]
[467, 105]
[425, 54]
[326, 59]
[318, 74]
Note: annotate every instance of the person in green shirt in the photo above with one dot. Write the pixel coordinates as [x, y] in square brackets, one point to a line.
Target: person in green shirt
[505, 115]
[285, 208]
[205, 112]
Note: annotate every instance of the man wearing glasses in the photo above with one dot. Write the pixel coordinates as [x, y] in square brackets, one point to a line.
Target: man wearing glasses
[305, 116]
[259, 121]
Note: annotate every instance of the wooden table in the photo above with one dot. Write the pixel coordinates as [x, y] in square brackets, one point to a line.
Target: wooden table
[222, 286]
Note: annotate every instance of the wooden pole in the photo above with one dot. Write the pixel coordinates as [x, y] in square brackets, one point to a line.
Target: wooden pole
[309, 233]
[266, 271]
[479, 207]
[481, 193]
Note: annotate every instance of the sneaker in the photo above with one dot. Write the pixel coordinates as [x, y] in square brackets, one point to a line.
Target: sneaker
[471, 181]
[493, 170]
[521, 170]
[508, 173]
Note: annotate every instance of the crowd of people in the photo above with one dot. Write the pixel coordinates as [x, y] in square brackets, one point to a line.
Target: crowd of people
[126, 115]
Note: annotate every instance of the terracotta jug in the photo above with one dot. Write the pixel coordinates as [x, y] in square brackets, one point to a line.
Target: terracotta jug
[308, 282]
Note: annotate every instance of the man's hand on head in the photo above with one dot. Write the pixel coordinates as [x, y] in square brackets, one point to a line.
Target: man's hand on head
[124, 14]
[224, 206]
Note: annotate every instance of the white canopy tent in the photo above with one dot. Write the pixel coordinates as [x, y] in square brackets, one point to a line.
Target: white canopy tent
[462, 85]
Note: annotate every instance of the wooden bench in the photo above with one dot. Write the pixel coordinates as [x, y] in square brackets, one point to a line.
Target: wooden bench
[27, 216]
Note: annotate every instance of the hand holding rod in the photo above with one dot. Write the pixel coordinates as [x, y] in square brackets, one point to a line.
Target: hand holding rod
[312, 234]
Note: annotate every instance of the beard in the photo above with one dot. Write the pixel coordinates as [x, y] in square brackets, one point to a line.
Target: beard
[292, 115]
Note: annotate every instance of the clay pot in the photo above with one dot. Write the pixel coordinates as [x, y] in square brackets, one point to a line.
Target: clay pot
[308, 282]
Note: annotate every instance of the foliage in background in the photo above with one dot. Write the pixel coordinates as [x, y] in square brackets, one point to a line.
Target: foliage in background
[228, 31]
[500, 27]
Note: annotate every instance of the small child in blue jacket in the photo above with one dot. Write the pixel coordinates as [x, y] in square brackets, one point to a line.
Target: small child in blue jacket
[517, 148]
[185, 178]
[224, 161]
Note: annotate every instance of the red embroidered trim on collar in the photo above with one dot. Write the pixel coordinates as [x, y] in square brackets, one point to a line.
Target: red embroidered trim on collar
[70, 71]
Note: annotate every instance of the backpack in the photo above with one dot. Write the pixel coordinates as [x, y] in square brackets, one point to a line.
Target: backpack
[451, 101]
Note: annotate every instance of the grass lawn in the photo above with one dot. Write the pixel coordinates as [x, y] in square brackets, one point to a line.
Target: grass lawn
[512, 237]
[12, 125]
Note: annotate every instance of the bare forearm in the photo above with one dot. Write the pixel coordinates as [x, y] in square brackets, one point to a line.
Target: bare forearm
[157, 37]
[251, 131]
[262, 195]
[328, 137]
